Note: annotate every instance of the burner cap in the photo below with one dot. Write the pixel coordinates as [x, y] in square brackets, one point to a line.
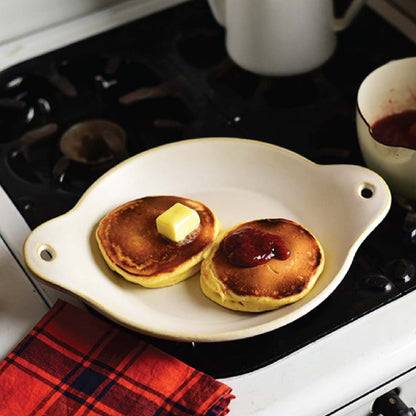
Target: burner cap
[93, 142]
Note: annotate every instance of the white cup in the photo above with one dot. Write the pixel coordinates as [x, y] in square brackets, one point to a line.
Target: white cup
[281, 37]
[389, 89]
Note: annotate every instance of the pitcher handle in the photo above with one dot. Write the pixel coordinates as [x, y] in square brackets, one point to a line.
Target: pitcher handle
[218, 10]
[343, 22]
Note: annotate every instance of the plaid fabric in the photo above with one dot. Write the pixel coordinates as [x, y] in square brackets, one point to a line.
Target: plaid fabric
[75, 363]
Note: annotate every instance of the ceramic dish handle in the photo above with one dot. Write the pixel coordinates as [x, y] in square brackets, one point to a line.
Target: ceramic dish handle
[362, 195]
[53, 249]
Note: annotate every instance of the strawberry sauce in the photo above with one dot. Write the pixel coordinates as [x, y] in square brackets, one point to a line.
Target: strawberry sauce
[249, 247]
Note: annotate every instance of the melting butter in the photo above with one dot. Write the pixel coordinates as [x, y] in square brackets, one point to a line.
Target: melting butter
[177, 222]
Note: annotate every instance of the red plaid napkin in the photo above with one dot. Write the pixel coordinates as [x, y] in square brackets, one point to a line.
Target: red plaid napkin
[75, 363]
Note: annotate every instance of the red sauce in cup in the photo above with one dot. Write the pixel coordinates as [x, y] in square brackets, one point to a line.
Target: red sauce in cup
[250, 247]
[396, 129]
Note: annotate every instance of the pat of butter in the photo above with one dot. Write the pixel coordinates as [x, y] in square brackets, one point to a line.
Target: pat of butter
[177, 222]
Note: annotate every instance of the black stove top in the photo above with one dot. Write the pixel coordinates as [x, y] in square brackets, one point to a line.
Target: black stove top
[68, 116]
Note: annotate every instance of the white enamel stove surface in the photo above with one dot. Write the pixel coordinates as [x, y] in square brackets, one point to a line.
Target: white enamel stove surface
[340, 374]
[20, 304]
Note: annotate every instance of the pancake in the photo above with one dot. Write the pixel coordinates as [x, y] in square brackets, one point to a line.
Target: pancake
[131, 245]
[265, 286]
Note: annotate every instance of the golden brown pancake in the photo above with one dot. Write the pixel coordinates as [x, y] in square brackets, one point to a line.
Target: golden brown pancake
[131, 245]
[266, 286]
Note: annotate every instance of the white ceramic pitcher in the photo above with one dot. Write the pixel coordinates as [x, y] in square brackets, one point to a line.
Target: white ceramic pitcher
[281, 37]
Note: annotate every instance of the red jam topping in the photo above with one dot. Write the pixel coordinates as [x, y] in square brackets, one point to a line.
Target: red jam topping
[249, 247]
[397, 129]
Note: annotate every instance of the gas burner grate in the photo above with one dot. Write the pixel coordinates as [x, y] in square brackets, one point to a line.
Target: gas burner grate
[26, 103]
[108, 75]
[117, 105]
[203, 48]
